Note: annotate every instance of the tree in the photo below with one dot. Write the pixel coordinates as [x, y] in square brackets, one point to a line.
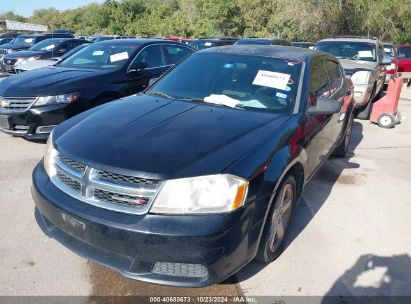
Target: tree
[12, 16]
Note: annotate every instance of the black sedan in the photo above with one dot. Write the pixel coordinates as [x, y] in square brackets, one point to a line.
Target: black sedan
[185, 184]
[34, 102]
[46, 49]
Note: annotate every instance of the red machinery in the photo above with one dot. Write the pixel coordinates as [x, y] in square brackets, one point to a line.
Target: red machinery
[385, 110]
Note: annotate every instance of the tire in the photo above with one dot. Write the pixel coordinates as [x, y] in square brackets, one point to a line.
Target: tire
[342, 149]
[271, 247]
[397, 118]
[379, 95]
[386, 121]
[364, 112]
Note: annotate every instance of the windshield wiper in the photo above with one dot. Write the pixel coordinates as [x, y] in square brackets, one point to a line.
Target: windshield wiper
[162, 94]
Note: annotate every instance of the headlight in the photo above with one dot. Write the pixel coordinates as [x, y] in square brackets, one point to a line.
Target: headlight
[9, 51]
[360, 77]
[203, 194]
[67, 98]
[49, 156]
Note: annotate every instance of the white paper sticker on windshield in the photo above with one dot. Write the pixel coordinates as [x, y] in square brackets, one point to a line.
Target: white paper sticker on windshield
[119, 56]
[98, 53]
[208, 44]
[28, 40]
[49, 47]
[365, 54]
[387, 50]
[271, 79]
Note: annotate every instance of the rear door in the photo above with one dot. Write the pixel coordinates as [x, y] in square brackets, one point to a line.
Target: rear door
[316, 128]
[337, 92]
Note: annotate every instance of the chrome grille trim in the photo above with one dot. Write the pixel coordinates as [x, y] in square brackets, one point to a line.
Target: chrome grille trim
[87, 186]
[17, 103]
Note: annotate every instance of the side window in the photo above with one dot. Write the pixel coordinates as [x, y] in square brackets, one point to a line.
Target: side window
[319, 85]
[152, 55]
[174, 53]
[334, 74]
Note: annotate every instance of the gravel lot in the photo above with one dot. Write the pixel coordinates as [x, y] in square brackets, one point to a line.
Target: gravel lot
[350, 236]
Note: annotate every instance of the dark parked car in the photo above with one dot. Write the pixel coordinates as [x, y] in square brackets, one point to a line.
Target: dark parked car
[188, 182]
[205, 43]
[263, 41]
[46, 49]
[34, 102]
[303, 44]
[24, 42]
[364, 61]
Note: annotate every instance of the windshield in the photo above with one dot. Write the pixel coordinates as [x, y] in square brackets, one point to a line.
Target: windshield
[389, 50]
[349, 50]
[23, 40]
[404, 52]
[253, 41]
[248, 82]
[100, 56]
[46, 45]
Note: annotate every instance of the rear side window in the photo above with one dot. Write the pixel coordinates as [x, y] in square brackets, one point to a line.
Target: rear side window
[153, 56]
[334, 74]
[319, 84]
[174, 53]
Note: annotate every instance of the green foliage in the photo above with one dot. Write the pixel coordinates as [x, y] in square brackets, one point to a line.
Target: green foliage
[12, 17]
[307, 20]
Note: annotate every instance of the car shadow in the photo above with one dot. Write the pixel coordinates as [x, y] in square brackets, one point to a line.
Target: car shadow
[319, 189]
[373, 279]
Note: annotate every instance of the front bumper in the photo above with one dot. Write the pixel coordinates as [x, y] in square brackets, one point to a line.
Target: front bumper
[135, 244]
[33, 123]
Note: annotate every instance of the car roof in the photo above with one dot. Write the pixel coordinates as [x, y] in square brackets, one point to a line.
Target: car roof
[261, 39]
[138, 41]
[342, 39]
[273, 51]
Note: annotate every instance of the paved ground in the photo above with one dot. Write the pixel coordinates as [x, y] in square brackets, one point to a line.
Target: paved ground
[350, 235]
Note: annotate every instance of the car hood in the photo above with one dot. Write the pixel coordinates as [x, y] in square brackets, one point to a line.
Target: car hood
[160, 138]
[357, 65]
[35, 64]
[16, 47]
[49, 81]
[25, 54]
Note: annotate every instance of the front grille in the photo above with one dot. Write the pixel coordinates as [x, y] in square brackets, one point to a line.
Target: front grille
[119, 178]
[76, 166]
[121, 199]
[180, 269]
[3, 51]
[16, 103]
[68, 181]
[108, 190]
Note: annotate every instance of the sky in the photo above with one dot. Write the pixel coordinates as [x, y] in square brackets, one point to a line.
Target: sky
[26, 7]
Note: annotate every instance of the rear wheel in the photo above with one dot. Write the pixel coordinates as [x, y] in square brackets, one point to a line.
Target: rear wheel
[278, 220]
[342, 149]
[386, 121]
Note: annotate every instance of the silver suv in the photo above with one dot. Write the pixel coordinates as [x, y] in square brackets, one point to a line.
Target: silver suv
[364, 61]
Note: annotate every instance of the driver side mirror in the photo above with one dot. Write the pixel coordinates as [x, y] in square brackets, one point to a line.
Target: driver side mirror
[325, 105]
[138, 66]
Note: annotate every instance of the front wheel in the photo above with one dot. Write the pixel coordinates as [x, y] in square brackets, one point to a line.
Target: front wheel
[278, 220]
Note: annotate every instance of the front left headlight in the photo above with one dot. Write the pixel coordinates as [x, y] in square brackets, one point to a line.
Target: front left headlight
[65, 98]
[203, 194]
[360, 77]
[49, 156]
